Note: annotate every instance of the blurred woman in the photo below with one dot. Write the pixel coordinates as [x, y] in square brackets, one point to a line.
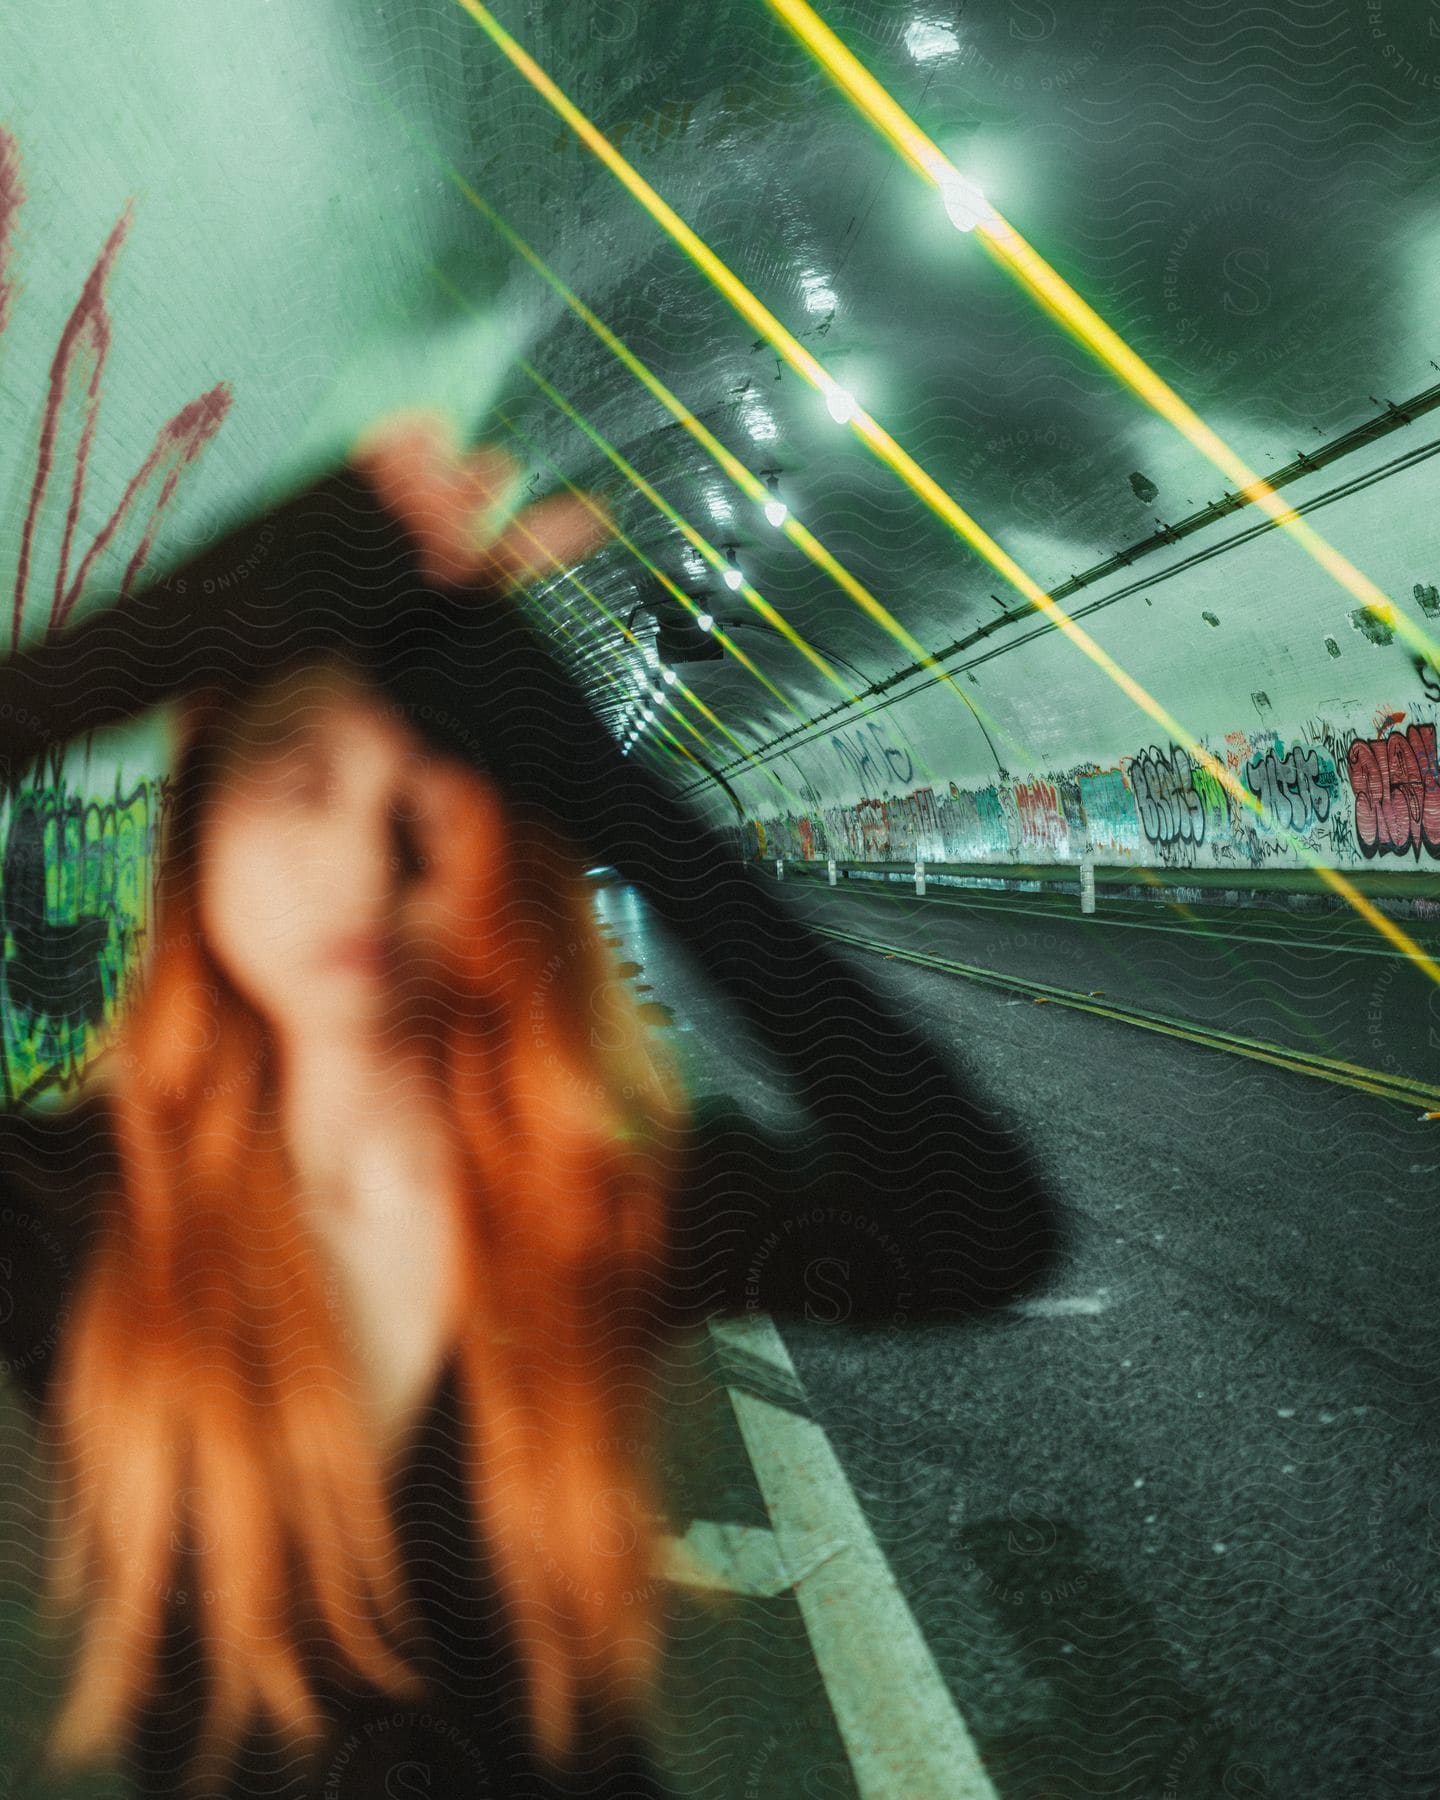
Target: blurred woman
[382, 1198]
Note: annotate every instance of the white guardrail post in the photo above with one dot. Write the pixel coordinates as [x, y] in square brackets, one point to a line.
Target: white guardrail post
[831, 867]
[1087, 883]
[919, 878]
[779, 868]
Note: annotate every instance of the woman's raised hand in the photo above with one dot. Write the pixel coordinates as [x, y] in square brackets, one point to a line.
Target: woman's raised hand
[455, 503]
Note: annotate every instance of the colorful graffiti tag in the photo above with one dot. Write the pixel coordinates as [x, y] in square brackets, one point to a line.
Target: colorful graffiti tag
[1042, 819]
[1111, 821]
[77, 898]
[973, 825]
[78, 873]
[1396, 784]
[1167, 802]
[1290, 788]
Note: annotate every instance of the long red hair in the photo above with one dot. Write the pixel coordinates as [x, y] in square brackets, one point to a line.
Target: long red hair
[202, 1367]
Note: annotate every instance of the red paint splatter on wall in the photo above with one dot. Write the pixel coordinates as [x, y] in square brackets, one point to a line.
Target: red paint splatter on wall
[11, 194]
[67, 433]
[177, 444]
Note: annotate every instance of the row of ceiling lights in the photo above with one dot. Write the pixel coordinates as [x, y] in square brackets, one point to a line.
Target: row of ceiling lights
[776, 511]
[967, 208]
[639, 714]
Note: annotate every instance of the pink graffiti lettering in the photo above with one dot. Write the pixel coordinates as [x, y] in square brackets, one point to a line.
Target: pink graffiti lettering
[1042, 823]
[1396, 783]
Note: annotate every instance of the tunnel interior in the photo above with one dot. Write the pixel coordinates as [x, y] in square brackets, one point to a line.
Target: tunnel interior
[1015, 424]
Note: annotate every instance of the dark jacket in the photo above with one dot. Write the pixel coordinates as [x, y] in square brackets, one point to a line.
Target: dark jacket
[907, 1198]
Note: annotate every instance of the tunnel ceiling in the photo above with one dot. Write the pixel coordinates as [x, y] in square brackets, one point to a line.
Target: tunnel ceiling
[1246, 194]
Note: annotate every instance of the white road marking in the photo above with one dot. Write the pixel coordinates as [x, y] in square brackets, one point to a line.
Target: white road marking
[901, 1729]
[1070, 1306]
[736, 1559]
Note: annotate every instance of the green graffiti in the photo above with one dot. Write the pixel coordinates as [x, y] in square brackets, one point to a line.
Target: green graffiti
[1214, 800]
[77, 899]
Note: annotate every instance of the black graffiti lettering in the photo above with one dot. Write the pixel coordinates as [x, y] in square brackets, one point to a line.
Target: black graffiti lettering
[894, 757]
[1171, 811]
[1429, 677]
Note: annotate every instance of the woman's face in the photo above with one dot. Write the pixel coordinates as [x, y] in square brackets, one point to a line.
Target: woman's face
[322, 863]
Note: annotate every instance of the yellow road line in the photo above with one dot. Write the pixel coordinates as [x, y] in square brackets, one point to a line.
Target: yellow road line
[1321, 1068]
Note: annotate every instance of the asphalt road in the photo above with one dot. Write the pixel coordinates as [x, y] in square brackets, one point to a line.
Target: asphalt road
[1175, 1529]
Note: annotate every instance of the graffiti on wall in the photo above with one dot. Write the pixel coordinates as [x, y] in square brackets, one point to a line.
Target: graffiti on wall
[1293, 792]
[1171, 810]
[1396, 784]
[1112, 824]
[77, 887]
[1166, 805]
[973, 825]
[874, 830]
[1042, 824]
[913, 826]
[870, 760]
[78, 881]
[49, 555]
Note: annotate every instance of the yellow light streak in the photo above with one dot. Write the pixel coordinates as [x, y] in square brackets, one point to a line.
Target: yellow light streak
[1060, 300]
[701, 543]
[684, 599]
[744, 479]
[659, 709]
[753, 310]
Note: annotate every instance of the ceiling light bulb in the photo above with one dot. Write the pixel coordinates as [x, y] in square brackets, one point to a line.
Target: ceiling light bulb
[775, 507]
[671, 677]
[704, 621]
[734, 578]
[841, 404]
[964, 202]
[931, 41]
